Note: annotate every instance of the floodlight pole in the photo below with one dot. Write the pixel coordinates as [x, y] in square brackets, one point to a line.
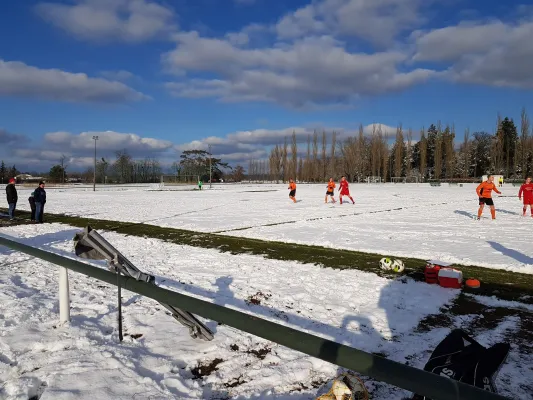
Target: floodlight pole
[94, 172]
[210, 169]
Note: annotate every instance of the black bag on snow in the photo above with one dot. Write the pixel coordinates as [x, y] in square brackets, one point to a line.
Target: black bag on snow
[461, 358]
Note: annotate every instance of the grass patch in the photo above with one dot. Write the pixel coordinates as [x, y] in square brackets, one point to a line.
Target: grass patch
[494, 282]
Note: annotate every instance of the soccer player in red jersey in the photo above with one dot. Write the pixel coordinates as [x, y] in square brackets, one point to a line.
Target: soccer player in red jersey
[526, 190]
[343, 189]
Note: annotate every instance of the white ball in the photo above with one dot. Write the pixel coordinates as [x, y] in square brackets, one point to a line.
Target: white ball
[385, 263]
[397, 266]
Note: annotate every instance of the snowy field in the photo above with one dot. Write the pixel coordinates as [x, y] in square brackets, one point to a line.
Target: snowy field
[84, 360]
[405, 220]
[158, 360]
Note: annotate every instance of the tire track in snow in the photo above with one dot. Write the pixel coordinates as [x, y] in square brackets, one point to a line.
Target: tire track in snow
[339, 216]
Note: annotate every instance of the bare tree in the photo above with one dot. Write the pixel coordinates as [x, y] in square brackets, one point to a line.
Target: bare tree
[275, 163]
[375, 151]
[315, 166]
[333, 155]
[301, 172]
[307, 164]
[398, 151]
[324, 157]
[385, 153]
[285, 160]
[294, 153]
[466, 150]
[361, 157]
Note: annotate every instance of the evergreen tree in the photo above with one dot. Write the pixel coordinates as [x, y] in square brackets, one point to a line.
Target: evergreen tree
[12, 172]
[3, 172]
[57, 172]
[510, 138]
[481, 153]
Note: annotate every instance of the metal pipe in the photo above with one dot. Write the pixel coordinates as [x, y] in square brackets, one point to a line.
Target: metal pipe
[64, 296]
[379, 368]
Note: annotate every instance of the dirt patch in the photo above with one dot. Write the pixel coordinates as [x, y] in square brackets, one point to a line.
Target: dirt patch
[255, 299]
[235, 382]
[206, 369]
[260, 353]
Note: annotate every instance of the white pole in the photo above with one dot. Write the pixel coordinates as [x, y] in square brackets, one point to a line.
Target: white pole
[64, 296]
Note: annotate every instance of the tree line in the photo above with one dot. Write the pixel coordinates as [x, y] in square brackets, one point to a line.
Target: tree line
[436, 155]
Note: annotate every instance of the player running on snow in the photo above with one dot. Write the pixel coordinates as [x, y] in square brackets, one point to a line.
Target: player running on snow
[330, 191]
[484, 192]
[343, 189]
[527, 190]
[292, 188]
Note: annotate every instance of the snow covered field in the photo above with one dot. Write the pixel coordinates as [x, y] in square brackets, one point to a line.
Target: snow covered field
[405, 220]
[84, 360]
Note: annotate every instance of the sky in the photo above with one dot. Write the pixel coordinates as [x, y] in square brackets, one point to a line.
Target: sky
[160, 77]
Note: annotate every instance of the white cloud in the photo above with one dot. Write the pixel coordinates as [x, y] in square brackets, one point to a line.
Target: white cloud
[108, 141]
[235, 147]
[377, 21]
[111, 20]
[19, 79]
[312, 71]
[492, 53]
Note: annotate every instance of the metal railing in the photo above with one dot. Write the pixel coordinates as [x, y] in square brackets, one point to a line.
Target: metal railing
[403, 376]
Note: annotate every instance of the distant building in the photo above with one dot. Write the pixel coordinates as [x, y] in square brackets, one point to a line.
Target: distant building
[27, 178]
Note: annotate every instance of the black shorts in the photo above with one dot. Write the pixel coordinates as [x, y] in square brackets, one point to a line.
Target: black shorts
[292, 193]
[486, 200]
[330, 193]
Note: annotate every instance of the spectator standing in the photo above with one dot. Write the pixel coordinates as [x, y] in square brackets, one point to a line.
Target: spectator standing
[40, 200]
[12, 198]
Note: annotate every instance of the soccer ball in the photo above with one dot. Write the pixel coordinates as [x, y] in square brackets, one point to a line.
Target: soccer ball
[385, 263]
[397, 266]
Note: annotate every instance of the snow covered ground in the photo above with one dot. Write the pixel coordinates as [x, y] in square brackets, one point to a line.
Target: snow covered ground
[405, 220]
[158, 359]
[84, 361]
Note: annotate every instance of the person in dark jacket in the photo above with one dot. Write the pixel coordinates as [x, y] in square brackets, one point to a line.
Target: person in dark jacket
[12, 198]
[40, 200]
[31, 200]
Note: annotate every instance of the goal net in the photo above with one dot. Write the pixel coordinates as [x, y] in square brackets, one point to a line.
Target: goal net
[373, 179]
[178, 180]
[398, 179]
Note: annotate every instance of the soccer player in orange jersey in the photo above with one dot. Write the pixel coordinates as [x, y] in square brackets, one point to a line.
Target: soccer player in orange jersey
[292, 188]
[527, 191]
[344, 191]
[330, 191]
[484, 192]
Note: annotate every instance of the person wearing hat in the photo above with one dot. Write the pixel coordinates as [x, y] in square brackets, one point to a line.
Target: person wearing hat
[39, 195]
[12, 198]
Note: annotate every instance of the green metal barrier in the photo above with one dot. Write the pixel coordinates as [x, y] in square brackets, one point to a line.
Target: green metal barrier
[379, 368]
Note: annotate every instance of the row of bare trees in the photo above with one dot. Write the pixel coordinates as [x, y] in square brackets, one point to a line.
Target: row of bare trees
[435, 155]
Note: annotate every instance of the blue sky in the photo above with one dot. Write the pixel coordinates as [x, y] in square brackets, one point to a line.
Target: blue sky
[157, 77]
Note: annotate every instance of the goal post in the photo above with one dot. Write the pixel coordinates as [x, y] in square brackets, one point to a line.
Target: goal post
[398, 179]
[177, 180]
[373, 179]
